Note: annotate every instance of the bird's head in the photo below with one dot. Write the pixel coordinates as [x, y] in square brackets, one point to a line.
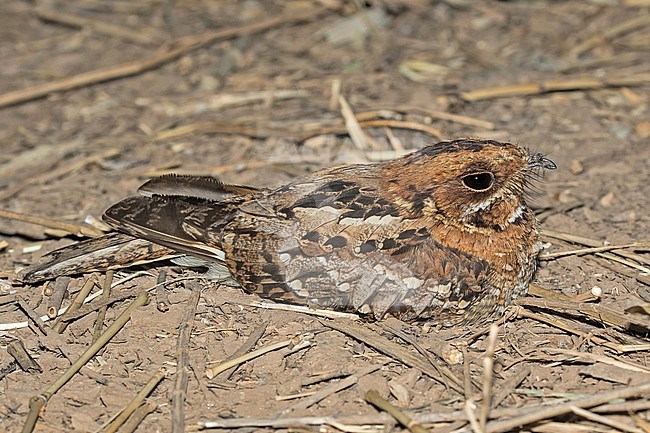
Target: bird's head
[470, 183]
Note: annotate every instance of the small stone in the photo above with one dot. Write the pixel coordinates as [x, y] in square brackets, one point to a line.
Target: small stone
[576, 167]
[642, 129]
[607, 199]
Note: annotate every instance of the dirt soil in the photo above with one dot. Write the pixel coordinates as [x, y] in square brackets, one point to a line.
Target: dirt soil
[257, 106]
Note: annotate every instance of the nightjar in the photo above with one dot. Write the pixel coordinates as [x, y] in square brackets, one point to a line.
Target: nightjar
[443, 234]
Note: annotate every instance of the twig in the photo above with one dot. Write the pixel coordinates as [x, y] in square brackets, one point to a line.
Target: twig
[557, 323]
[591, 250]
[602, 406]
[442, 370]
[469, 407]
[377, 400]
[553, 86]
[48, 175]
[604, 420]
[467, 374]
[400, 124]
[17, 350]
[58, 293]
[182, 359]
[213, 371]
[61, 324]
[120, 296]
[294, 396]
[597, 312]
[8, 369]
[135, 402]
[162, 302]
[163, 55]
[450, 117]
[359, 138]
[339, 423]
[73, 229]
[389, 348]
[82, 312]
[31, 314]
[332, 388]
[335, 93]
[561, 409]
[570, 237]
[301, 309]
[612, 32]
[223, 101]
[36, 403]
[510, 383]
[100, 27]
[138, 416]
[593, 357]
[250, 342]
[488, 371]
[101, 314]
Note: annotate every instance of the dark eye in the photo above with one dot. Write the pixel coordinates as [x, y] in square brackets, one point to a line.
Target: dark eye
[478, 181]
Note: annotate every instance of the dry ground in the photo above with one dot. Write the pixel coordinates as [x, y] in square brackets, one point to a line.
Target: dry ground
[237, 105]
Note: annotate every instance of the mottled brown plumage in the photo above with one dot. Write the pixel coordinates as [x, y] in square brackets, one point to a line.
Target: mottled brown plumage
[443, 234]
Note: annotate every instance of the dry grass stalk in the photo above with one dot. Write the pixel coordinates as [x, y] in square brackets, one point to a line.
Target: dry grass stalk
[332, 388]
[301, 309]
[612, 32]
[38, 402]
[561, 409]
[467, 374]
[367, 335]
[31, 314]
[565, 326]
[377, 400]
[553, 86]
[359, 138]
[509, 385]
[182, 359]
[440, 348]
[488, 372]
[214, 371]
[62, 323]
[450, 117]
[120, 296]
[376, 123]
[604, 420]
[165, 54]
[593, 357]
[73, 229]
[570, 237]
[335, 94]
[147, 37]
[596, 312]
[591, 250]
[56, 299]
[248, 345]
[138, 416]
[137, 400]
[349, 423]
[400, 124]
[294, 396]
[346, 424]
[17, 350]
[101, 314]
[162, 302]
